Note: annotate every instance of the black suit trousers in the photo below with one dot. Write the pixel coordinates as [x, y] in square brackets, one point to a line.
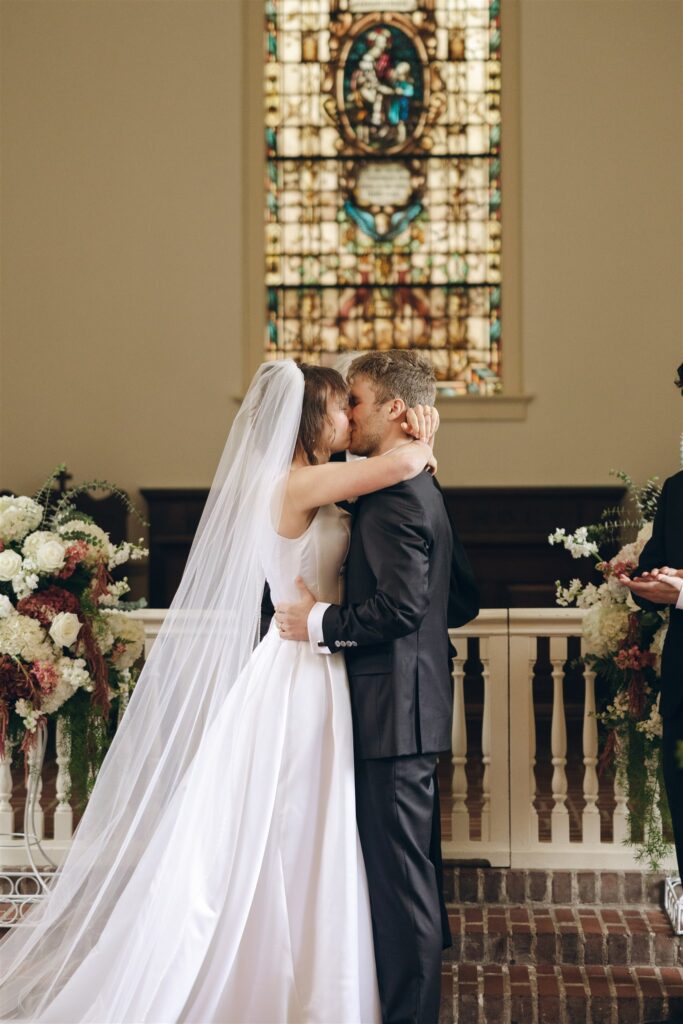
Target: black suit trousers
[396, 804]
[673, 778]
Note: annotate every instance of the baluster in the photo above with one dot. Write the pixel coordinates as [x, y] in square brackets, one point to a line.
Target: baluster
[533, 813]
[6, 810]
[460, 818]
[63, 827]
[486, 743]
[559, 817]
[620, 817]
[36, 823]
[591, 787]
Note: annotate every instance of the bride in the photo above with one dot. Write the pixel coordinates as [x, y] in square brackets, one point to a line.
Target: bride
[216, 875]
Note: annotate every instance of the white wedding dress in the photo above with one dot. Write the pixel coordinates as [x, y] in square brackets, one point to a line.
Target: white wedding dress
[250, 903]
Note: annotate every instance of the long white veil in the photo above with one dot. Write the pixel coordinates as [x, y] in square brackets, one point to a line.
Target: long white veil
[208, 636]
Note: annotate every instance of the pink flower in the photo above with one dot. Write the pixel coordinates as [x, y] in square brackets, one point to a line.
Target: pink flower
[633, 658]
[615, 568]
[46, 674]
[75, 554]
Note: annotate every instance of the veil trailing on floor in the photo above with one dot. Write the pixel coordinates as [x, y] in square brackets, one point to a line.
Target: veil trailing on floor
[208, 635]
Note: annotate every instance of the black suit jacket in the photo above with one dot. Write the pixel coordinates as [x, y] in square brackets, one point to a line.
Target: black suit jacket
[665, 547]
[393, 627]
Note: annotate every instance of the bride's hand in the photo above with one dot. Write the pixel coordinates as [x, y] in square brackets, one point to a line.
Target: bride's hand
[422, 423]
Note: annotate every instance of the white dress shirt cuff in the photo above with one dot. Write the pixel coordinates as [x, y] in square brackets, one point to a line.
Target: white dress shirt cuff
[675, 581]
[315, 628]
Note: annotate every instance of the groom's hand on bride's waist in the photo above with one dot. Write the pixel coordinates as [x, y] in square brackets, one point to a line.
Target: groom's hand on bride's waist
[292, 618]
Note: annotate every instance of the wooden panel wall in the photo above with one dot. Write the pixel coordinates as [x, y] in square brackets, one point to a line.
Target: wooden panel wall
[504, 530]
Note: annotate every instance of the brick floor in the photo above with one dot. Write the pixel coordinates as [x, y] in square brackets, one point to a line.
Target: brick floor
[564, 935]
[520, 961]
[566, 994]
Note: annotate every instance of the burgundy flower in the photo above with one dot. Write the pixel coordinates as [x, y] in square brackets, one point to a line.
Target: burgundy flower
[47, 603]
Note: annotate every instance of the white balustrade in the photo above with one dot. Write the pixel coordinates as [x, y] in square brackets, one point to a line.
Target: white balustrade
[558, 738]
[486, 743]
[63, 813]
[527, 817]
[6, 809]
[590, 820]
[620, 817]
[36, 825]
[460, 817]
[522, 775]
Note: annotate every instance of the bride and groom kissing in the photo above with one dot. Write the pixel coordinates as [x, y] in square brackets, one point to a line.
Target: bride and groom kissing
[407, 580]
[278, 856]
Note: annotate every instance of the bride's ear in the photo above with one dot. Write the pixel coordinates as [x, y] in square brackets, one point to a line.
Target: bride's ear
[398, 409]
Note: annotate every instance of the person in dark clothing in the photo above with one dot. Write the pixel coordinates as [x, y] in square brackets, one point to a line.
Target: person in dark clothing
[658, 583]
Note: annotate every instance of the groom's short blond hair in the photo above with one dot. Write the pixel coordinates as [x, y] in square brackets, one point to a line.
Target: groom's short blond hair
[398, 373]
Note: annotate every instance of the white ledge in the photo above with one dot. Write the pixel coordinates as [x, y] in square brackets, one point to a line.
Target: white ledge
[472, 407]
[483, 407]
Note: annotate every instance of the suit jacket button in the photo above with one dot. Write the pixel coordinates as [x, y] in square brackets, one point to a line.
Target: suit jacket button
[337, 643]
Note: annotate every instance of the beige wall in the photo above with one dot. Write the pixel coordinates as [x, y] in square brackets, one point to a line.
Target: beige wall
[601, 249]
[123, 180]
[122, 264]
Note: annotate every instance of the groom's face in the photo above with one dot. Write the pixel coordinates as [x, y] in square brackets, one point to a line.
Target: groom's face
[369, 420]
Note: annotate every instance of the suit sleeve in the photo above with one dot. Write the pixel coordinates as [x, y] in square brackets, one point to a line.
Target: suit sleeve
[653, 554]
[397, 543]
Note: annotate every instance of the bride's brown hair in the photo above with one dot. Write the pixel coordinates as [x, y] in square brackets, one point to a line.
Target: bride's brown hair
[320, 384]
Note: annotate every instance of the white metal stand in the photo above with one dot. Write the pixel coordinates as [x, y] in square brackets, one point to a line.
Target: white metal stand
[22, 887]
[673, 903]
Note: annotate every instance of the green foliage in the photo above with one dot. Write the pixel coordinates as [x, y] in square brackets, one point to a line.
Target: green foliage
[65, 507]
[627, 673]
[636, 763]
[90, 735]
[619, 524]
[42, 496]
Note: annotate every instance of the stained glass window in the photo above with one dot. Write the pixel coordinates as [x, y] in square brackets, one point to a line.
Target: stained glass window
[383, 213]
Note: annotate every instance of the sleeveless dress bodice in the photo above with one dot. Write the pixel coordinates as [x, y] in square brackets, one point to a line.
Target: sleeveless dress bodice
[317, 556]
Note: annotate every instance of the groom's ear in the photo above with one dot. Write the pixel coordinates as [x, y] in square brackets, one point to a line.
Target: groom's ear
[398, 409]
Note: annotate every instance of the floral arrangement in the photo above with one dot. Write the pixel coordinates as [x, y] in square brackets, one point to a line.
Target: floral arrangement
[68, 644]
[623, 645]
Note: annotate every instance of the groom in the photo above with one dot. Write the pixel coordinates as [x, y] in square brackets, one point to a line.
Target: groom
[407, 580]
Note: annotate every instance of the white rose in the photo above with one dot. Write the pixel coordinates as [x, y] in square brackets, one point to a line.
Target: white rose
[10, 564]
[6, 607]
[50, 557]
[65, 628]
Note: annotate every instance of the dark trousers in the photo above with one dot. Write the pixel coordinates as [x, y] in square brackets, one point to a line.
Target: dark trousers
[673, 779]
[398, 812]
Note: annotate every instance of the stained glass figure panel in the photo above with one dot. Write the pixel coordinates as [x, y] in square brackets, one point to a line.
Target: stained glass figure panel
[383, 201]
